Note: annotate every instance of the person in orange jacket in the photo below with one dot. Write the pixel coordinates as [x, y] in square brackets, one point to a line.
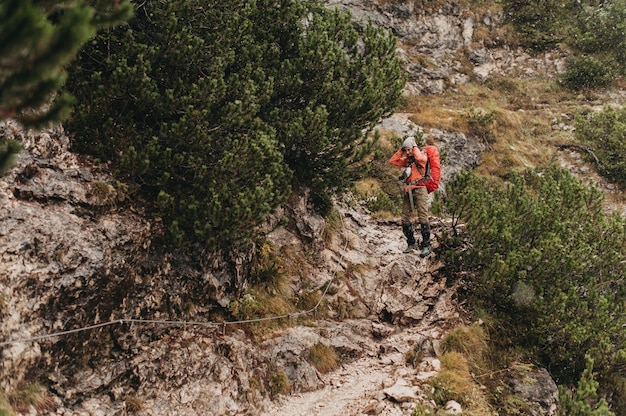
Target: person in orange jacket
[413, 160]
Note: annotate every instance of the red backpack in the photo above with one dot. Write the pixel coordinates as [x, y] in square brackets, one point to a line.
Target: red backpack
[433, 168]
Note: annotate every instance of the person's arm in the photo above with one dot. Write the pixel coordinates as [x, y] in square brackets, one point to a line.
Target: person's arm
[398, 159]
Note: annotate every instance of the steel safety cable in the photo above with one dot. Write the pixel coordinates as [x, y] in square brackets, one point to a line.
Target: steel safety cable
[187, 323]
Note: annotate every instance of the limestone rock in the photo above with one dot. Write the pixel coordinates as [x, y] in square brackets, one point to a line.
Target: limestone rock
[537, 388]
[453, 408]
[401, 392]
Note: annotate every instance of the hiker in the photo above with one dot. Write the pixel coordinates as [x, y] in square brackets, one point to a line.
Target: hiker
[414, 160]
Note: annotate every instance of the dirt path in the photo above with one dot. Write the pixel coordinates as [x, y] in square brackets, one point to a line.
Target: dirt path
[421, 308]
[360, 386]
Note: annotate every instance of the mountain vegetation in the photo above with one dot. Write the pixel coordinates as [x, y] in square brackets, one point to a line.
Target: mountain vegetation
[605, 133]
[211, 110]
[593, 31]
[548, 270]
[37, 41]
[548, 260]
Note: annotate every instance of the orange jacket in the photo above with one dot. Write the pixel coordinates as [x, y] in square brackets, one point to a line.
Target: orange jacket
[417, 169]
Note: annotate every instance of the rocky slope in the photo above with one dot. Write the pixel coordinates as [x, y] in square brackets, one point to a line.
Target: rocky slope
[79, 263]
[442, 46]
[73, 258]
[136, 329]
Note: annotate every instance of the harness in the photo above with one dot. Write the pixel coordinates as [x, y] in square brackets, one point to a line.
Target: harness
[425, 177]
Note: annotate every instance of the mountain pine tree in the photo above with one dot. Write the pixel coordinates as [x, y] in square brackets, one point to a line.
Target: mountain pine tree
[584, 400]
[210, 107]
[334, 80]
[37, 39]
[549, 266]
[606, 132]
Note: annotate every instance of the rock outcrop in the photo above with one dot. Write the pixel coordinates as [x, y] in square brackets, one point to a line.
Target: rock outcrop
[133, 323]
[61, 253]
[442, 47]
[76, 259]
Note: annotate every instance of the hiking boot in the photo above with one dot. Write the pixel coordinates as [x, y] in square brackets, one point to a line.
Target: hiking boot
[410, 248]
[407, 229]
[425, 229]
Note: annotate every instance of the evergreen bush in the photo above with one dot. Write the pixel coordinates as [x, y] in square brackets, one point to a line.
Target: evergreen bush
[539, 23]
[598, 29]
[587, 28]
[213, 108]
[549, 266]
[37, 40]
[584, 400]
[587, 72]
[606, 133]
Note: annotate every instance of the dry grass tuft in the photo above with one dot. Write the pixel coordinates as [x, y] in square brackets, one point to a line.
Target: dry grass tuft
[323, 358]
[270, 294]
[367, 187]
[278, 381]
[134, 404]
[308, 299]
[442, 118]
[471, 341]
[463, 352]
[455, 382]
[34, 395]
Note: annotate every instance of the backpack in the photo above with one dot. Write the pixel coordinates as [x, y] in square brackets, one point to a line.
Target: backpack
[433, 168]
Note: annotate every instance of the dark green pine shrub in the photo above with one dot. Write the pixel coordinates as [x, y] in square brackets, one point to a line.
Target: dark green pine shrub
[598, 29]
[584, 400]
[549, 268]
[37, 40]
[214, 108]
[593, 30]
[606, 133]
[540, 24]
[587, 72]
[336, 83]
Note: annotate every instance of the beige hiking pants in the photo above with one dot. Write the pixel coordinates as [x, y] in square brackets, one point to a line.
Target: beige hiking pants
[420, 201]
